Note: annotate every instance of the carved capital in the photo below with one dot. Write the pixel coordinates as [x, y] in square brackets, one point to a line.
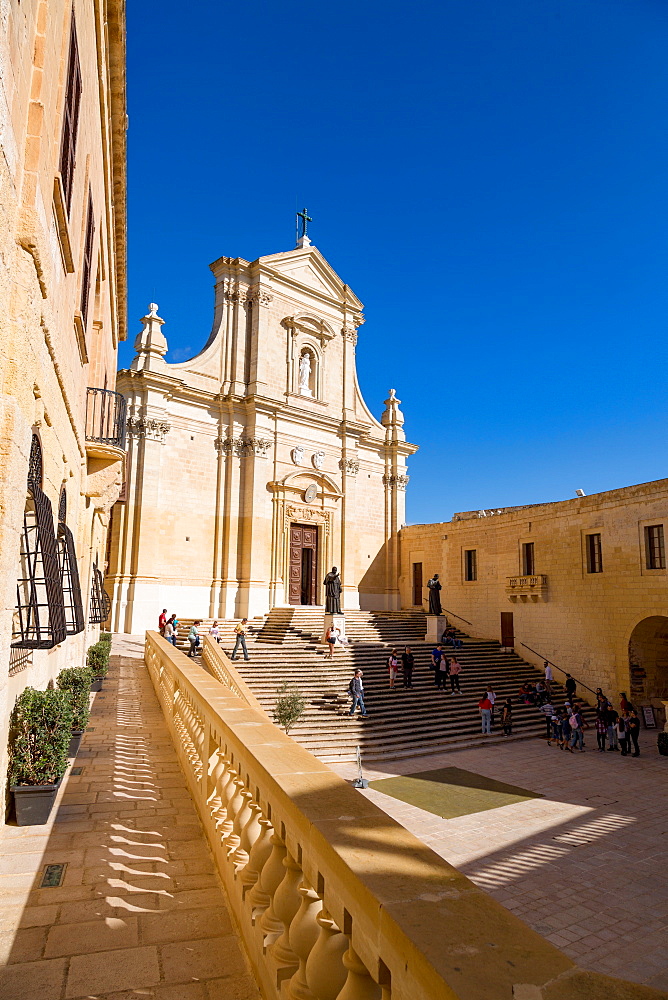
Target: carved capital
[396, 482]
[144, 427]
[257, 296]
[349, 333]
[349, 466]
[243, 447]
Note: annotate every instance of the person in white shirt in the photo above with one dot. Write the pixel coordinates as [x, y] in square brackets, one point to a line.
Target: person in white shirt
[491, 697]
[548, 677]
[214, 632]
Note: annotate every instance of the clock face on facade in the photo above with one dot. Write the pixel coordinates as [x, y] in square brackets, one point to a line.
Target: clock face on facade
[310, 493]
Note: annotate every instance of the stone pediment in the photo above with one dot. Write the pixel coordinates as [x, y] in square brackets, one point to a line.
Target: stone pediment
[308, 268]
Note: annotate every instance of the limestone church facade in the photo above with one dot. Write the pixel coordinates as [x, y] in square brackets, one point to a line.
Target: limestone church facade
[256, 466]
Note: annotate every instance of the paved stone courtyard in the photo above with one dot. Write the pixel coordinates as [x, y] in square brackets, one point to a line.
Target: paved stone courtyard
[141, 913]
[586, 866]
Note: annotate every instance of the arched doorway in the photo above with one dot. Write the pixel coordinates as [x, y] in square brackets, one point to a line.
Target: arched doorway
[648, 663]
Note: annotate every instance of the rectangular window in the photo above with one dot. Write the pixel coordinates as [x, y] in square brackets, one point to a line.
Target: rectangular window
[594, 555]
[70, 117]
[470, 565]
[528, 564]
[87, 261]
[655, 552]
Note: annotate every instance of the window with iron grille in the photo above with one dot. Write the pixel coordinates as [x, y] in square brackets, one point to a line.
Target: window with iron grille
[68, 141]
[39, 616]
[528, 562]
[470, 564]
[69, 572]
[100, 602]
[655, 553]
[594, 553]
[87, 261]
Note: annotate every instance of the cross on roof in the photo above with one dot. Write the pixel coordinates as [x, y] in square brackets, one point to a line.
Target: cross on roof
[303, 215]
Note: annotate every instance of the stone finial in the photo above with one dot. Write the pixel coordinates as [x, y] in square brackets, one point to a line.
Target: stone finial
[392, 418]
[150, 343]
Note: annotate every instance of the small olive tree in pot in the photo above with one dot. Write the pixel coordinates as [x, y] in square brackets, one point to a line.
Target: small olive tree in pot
[97, 660]
[39, 736]
[76, 681]
[289, 707]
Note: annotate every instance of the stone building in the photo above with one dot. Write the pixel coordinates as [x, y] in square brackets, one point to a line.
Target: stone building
[62, 313]
[581, 582]
[256, 466]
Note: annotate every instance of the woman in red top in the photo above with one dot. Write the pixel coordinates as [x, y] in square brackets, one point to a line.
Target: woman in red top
[485, 709]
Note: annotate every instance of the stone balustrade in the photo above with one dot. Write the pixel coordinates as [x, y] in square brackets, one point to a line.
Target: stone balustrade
[219, 664]
[332, 898]
[527, 588]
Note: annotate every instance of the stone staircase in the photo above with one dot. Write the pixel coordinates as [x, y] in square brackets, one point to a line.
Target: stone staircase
[285, 646]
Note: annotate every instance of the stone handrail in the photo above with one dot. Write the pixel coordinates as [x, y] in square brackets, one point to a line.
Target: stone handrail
[333, 899]
[219, 664]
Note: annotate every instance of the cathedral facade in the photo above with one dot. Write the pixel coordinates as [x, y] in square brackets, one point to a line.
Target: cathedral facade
[256, 466]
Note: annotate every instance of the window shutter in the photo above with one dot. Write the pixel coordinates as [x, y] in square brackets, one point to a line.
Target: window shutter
[70, 117]
[87, 261]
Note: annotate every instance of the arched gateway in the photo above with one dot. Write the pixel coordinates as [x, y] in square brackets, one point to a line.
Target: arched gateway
[648, 663]
[256, 466]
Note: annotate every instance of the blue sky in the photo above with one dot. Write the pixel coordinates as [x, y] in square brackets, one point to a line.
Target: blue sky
[491, 180]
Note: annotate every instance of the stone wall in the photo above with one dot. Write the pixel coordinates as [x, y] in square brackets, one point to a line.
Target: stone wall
[49, 351]
[581, 620]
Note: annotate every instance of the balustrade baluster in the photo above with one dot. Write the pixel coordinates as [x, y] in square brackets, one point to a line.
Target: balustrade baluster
[232, 838]
[259, 854]
[325, 972]
[249, 834]
[270, 878]
[217, 771]
[231, 789]
[243, 815]
[285, 904]
[358, 985]
[304, 931]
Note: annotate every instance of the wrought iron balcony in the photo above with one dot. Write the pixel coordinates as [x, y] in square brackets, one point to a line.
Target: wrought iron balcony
[527, 588]
[105, 417]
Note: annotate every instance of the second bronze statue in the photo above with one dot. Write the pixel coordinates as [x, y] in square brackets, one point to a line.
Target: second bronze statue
[333, 589]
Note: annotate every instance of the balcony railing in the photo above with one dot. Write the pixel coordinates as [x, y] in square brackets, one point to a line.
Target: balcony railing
[105, 417]
[529, 587]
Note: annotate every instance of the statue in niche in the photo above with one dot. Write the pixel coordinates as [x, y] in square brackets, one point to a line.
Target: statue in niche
[434, 588]
[305, 373]
[333, 588]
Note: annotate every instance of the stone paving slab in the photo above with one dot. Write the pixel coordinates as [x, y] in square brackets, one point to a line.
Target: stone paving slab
[141, 911]
[586, 866]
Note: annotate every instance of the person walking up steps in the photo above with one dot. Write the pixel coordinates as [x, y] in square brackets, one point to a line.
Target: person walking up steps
[485, 709]
[436, 656]
[330, 639]
[162, 621]
[240, 632]
[408, 662]
[455, 671]
[392, 666]
[356, 692]
[548, 678]
[193, 638]
[169, 631]
[507, 717]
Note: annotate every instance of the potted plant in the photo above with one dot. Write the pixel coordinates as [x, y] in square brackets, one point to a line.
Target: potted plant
[97, 660]
[40, 729]
[662, 743]
[77, 682]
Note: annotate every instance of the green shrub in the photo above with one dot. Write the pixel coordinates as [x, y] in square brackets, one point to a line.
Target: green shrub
[105, 637]
[76, 681]
[97, 659]
[289, 707]
[662, 743]
[39, 736]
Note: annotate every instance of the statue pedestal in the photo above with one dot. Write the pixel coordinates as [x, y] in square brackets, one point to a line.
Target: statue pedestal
[338, 621]
[435, 627]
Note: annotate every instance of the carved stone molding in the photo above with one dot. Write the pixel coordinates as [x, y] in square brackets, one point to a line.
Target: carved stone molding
[349, 333]
[396, 482]
[233, 291]
[349, 465]
[293, 512]
[144, 427]
[243, 447]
